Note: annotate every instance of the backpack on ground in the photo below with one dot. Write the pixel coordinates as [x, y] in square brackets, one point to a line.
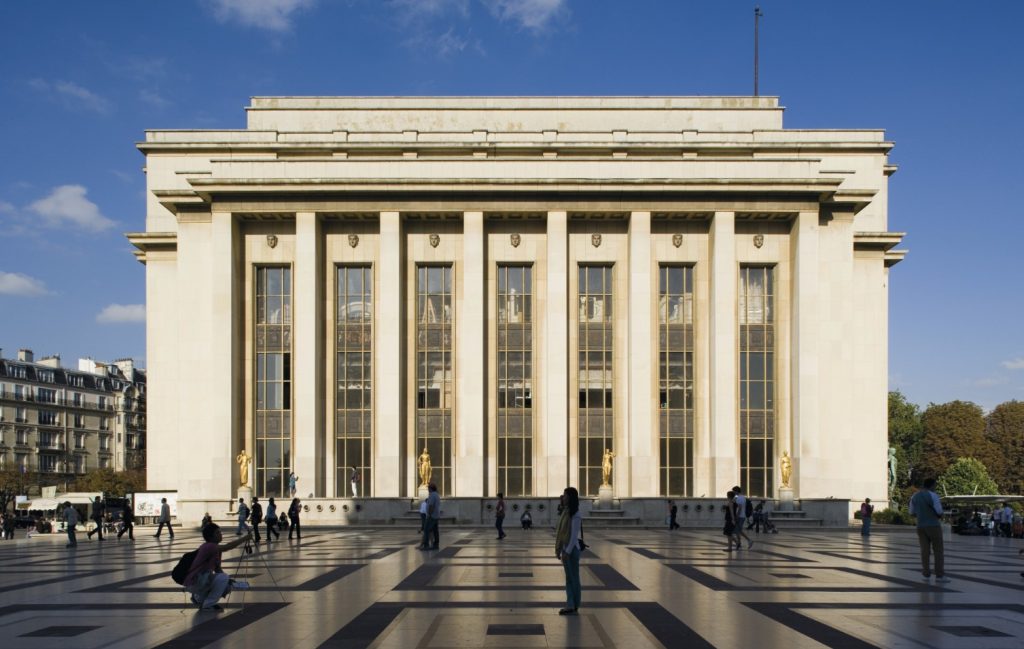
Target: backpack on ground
[184, 565]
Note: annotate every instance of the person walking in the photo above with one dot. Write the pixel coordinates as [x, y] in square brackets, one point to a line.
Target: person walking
[205, 579]
[740, 516]
[98, 510]
[271, 520]
[866, 510]
[165, 519]
[294, 511]
[1007, 521]
[925, 505]
[567, 549]
[353, 479]
[243, 516]
[127, 522]
[431, 531]
[673, 511]
[729, 528]
[70, 523]
[499, 515]
[423, 515]
[256, 517]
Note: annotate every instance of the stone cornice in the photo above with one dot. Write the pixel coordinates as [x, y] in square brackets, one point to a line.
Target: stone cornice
[148, 243]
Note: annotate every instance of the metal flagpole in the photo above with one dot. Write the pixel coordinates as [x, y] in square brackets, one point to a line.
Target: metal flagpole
[757, 16]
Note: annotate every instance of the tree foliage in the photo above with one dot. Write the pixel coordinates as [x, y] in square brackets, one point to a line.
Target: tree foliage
[1004, 428]
[950, 431]
[965, 477]
[905, 436]
[112, 483]
[13, 482]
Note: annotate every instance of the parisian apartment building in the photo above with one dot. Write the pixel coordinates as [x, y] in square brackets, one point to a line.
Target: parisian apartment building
[65, 422]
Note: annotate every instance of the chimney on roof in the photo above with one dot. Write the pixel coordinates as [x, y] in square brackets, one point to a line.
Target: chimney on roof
[25, 355]
[51, 361]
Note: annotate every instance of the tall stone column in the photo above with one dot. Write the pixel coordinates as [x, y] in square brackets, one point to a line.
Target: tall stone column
[471, 350]
[723, 445]
[554, 445]
[388, 464]
[643, 462]
[219, 418]
[308, 363]
[804, 344]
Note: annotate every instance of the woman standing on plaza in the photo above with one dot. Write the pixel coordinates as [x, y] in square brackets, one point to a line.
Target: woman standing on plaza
[567, 549]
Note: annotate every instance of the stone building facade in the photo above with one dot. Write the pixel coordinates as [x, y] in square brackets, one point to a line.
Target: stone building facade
[517, 285]
[63, 423]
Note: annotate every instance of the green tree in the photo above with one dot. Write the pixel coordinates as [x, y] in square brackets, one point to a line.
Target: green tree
[905, 436]
[14, 482]
[112, 483]
[966, 477]
[1004, 428]
[950, 431]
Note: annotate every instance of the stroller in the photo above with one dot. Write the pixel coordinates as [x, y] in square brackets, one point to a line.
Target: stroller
[768, 525]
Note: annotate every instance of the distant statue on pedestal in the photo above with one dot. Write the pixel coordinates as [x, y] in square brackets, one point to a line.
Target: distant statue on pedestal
[425, 468]
[892, 469]
[243, 460]
[786, 466]
[606, 468]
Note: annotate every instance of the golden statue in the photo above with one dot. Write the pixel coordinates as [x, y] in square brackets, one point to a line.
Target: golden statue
[425, 469]
[243, 460]
[606, 468]
[786, 465]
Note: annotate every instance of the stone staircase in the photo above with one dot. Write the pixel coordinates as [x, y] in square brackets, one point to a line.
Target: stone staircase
[610, 518]
[793, 518]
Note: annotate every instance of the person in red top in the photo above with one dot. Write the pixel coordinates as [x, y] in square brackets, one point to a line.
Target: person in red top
[205, 580]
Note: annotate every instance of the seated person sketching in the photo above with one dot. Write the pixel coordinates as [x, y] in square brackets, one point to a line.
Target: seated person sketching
[205, 580]
[526, 520]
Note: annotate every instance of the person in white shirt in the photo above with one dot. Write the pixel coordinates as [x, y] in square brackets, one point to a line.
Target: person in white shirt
[740, 517]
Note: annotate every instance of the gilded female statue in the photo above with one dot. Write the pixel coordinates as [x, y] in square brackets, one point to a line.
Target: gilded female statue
[243, 460]
[786, 465]
[606, 468]
[425, 469]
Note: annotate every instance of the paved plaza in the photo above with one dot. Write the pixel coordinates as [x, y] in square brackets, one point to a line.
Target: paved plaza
[371, 587]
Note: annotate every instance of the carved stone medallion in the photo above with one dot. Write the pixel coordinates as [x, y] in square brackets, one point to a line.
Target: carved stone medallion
[758, 240]
[677, 240]
[515, 240]
[435, 239]
[595, 240]
[353, 240]
[272, 240]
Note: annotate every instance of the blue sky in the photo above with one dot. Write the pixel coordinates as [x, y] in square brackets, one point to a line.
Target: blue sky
[80, 81]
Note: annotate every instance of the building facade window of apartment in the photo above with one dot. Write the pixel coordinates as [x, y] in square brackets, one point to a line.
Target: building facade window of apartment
[21, 437]
[21, 460]
[44, 376]
[47, 463]
[20, 416]
[103, 403]
[104, 442]
[47, 417]
[79, 440]
[105, 423]
[49, 440]
[104, 462]
[16, 372]
[77, 381]
[46, 395]
[80, 464]
[19, 392]
[79, 421]
[76, 398]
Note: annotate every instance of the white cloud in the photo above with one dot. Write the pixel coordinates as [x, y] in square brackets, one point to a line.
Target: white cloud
[274, 15]
[1014, 363]
[6, 208]
[67, 205]
[19, 284]
[987, 382]
[117, 313]
[531, 14]
[153, 98]
[73, 96]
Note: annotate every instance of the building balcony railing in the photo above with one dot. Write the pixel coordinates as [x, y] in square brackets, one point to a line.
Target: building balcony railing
[50, 446]
[59, 401]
